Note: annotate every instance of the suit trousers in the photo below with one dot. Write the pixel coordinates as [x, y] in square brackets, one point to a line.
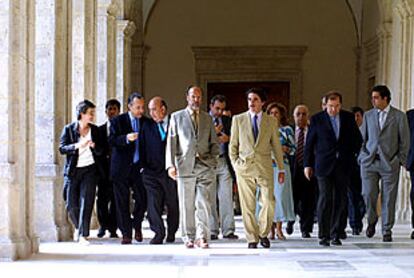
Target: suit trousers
[80, 197]
[122, 192]
[331, 202]
[194, 202]
[105, 205]
[412, 197]
[222, 191]
[370, 176]
[161, 190]
[255, 228]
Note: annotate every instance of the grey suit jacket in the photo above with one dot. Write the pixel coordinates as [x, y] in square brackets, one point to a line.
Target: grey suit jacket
[183, 144]
[391, 143]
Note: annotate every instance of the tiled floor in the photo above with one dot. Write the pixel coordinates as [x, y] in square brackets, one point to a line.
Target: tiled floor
[295, 257]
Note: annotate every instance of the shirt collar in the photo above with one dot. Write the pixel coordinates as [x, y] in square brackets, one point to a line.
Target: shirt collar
[386, 109]
[259, 115]
[191, 111]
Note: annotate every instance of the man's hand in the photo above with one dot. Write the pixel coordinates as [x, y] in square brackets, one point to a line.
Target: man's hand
[281, 177]
[132, 136]
[172, 172]
[218, 128]
[223, 138]
[308, 172]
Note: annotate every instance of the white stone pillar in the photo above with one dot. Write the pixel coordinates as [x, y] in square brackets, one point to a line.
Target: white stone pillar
[112, 13]
[384, 33]
[17, 236]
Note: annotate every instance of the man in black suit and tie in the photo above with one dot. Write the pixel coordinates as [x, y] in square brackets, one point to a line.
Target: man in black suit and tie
[161, 189]
[332, 142]
[125, 167]
[410, 164]
[105, 203]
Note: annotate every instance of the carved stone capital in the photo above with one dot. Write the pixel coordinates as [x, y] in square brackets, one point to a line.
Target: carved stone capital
[126, 27]
[384, 30]
[112, 10]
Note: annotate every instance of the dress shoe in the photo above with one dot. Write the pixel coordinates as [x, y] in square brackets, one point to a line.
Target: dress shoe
[156, 240]
[170, 238]
[231, 236]
[412, 235]
[252, 245]
[336, 242]
[113, 235]
[289, 227]
[189, 244]
[370, 230]
[342, 235]
[387, 238]
[324, 242]
[126, 240]
[138, 235]
[202, 243]
[214, 237]
[101, 232]
[264, 241]
[356, 232]
[306, 235]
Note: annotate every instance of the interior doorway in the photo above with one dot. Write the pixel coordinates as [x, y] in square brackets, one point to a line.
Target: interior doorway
[235, 93]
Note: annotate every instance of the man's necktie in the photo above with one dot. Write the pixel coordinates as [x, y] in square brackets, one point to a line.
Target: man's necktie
[381, 118]
[195, 116]
[335, 127]
[255, 128]
[162, 131]
[301, 144]
[136, 129]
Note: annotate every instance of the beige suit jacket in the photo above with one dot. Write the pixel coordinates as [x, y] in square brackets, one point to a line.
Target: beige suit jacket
[255, 158]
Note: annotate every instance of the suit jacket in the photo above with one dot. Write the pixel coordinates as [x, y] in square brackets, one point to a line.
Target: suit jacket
[183, 144]
[122, 151]
[391, 143]
[106, 149]
[69, 137]
[323, 151]
[410, 159]
[255, 158]
[152, 149]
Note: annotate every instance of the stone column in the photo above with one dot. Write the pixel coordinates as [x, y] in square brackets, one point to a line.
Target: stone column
[384, 33]
[17, 235]
[112, 13]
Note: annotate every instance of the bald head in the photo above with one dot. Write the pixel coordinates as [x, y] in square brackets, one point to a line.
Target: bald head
[157, 109]
[301, 115]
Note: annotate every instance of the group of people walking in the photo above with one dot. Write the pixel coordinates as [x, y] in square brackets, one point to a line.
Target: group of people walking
[325, 168]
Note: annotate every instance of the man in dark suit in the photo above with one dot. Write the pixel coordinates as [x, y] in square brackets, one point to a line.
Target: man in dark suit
[161, 189]
[222, 189]
[332, 142]
[410, 164]
[125, 167]
[105, 203]
[304, 190]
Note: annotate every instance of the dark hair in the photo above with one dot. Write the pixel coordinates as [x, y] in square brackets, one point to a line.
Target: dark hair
[282, 111]
[134, 95]
[113, 102]
[258, 91]
[383, 91]
[332, 95]
[82, 107]
[219, 98]
[192, 86]
[357, 109]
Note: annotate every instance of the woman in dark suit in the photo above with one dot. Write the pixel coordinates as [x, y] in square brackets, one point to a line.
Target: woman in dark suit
[81, 144]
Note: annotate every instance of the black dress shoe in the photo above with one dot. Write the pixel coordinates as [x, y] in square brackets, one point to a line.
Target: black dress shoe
[306, 235]
[170, 238]
[370, 230]
[126, 240]
[156, 240]
[231, 236]
[264, 241]
[289, 227]
[336, 242]
[356, 232]
[113, 235]
[252, 245]
[387, 238]
[138, 235]
[214, 237]
[101, 233]
[412, 235]
[324, 242]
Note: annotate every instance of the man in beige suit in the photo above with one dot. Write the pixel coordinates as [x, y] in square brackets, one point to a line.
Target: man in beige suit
[255, 136]
[191, 157]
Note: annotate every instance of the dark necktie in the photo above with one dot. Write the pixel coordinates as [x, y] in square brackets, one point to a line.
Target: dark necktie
[136, 129]
[335, 127]
[255, 128]
[299, 150]
[162, 131]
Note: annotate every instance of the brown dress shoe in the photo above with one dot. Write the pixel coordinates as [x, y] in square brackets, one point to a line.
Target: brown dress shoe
[138, 235]
[126, 240]
[202, 243]
[252, 245]
[264, 241]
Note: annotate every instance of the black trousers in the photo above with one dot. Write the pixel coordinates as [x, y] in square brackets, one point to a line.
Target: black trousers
[304, 199]
[105, 205]
[80, 196]
[332, 202]
[161, 191]
[122, 191]
[412, 198]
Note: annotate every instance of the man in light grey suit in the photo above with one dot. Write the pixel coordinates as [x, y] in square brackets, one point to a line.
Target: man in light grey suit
[384, 149]
[191, 158]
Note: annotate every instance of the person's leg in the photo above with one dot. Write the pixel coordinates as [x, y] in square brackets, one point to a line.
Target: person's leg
[225, 196]
[87, 199]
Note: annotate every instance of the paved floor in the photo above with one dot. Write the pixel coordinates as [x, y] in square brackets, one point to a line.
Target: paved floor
[295, 257]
